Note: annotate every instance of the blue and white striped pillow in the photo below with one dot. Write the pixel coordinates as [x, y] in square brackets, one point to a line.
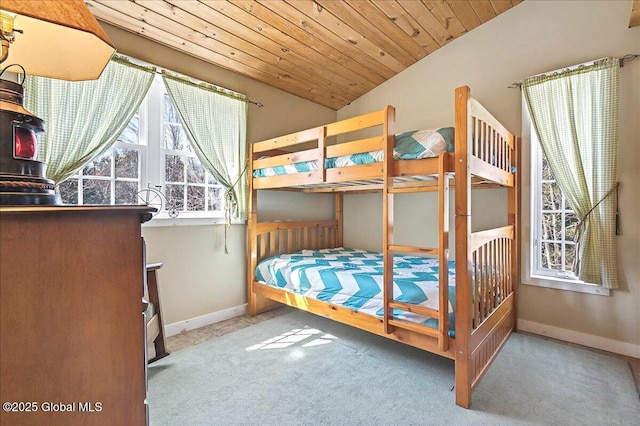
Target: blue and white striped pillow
[418, 144]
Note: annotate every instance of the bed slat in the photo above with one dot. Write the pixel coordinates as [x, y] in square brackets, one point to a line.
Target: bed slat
[355, 147]
[416, 309]
[413, 326]
[412, 249]
[491, 277]
[301, 178]
[371, 119]
[287, 140]
[359, 172]
[284, 159]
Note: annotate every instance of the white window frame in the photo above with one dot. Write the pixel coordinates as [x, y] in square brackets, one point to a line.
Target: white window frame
[152, 152]
[536, 216]
[530, 174]
[156, 175]
[142, 152]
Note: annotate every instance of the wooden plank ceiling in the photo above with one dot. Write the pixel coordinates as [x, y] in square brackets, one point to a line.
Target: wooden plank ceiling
[634, 20]
[327, 51]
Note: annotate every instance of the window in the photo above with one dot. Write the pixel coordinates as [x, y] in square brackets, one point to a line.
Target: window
[553, 221]
[153, 152]
[548, 247]
[188, 187]
[575, 111]
[114, 177]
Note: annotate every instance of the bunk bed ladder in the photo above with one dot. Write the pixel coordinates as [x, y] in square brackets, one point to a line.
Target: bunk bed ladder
[442, 251]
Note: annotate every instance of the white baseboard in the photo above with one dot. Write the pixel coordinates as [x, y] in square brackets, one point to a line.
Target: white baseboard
[201, 321]
[597, 342]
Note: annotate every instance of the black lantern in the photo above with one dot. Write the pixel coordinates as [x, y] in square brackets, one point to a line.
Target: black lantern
[22, 179]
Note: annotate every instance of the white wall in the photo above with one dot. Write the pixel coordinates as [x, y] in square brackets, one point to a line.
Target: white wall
[533, 37]
[415, 218]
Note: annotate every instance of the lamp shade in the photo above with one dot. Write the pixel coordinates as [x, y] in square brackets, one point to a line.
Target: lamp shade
[60, 39]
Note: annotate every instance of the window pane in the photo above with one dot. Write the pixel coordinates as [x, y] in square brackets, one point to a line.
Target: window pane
[571, 224]
[131, 132]
[96, 191]
[546, 170]
[570, 254]
[554, 231]
[126, 163]
[99, 167]
[174, 168]
[175, 138]
[126, 192]
[195, 171]
[551, 256]
[170, 113]
[174, 135]
[216, 199]
[551, 196]
[195, 198]
[69, 191]
[175, 197]
[552, 226]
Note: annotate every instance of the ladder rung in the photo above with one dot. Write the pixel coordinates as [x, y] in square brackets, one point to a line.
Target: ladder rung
[411, 189]
[415, 327]
[415, 309]
[412, 249]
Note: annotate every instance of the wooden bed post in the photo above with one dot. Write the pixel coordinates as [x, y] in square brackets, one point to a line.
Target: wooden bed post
[252, 243]
[463, 252]
[387, 217]
[338, 241]
[255, 302]
[443, 252]
[513, 197]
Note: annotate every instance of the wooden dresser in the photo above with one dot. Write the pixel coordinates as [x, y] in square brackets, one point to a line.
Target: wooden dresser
[72, 344]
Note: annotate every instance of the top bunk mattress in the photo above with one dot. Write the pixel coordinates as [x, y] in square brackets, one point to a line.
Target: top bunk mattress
[412, 145]
[353, 278]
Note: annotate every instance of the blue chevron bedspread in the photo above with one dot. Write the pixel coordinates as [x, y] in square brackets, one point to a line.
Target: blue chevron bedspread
[353, 278]
[412, 145]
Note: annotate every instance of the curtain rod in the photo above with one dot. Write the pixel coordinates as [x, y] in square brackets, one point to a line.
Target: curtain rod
[174, 74]
[158, 70]
[626, 58]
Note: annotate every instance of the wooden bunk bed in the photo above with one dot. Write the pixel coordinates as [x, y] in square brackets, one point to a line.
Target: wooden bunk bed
[486, 262]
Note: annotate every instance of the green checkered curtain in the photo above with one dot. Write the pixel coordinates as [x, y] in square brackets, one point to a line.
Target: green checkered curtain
[575, 114]
[215, 121]
[84, 118]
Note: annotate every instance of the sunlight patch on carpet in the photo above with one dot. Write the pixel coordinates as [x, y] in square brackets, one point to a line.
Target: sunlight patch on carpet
[305, 337]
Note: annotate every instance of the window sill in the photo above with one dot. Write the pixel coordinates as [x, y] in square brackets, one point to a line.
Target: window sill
[560, 284]
[188, 221]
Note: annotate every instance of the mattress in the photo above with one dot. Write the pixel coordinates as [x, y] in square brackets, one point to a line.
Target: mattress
[353, 278]
[412, 145]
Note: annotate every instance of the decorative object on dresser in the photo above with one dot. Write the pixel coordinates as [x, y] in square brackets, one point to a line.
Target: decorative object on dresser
[71, 315]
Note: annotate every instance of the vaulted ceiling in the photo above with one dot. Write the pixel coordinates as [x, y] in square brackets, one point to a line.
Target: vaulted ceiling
[328, 51]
